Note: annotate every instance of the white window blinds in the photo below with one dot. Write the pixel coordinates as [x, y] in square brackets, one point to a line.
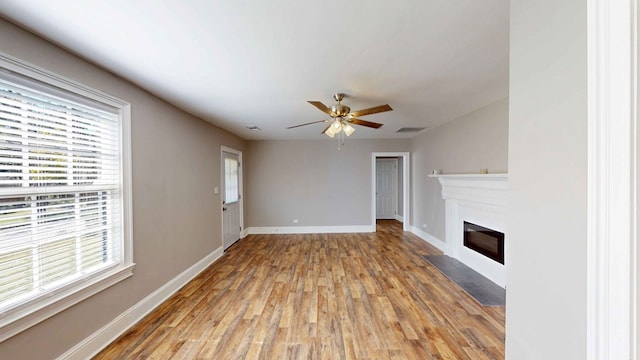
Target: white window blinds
[60, 190]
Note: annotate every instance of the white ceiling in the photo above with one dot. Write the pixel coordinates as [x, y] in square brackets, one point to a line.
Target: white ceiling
[236, 63]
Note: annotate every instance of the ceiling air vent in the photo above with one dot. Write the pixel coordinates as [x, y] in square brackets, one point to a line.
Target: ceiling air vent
[253, 127]
[406, 130]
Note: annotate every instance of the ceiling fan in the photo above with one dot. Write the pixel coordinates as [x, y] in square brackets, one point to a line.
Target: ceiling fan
[341, 117]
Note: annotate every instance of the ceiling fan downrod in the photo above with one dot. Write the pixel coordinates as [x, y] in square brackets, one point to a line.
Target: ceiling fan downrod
[339, 110]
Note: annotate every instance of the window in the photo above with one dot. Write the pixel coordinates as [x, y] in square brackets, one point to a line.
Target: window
[230, 180]
[65, 230]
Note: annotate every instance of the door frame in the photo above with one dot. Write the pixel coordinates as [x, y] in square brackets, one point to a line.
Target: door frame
[612, 181]
[405, 188]
[393, 160]
[227, 149]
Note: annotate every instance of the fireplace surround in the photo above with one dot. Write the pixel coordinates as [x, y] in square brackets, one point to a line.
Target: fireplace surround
[481, 199]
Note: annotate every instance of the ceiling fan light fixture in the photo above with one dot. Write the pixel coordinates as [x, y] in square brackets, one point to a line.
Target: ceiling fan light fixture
[348, 129]
[330, 132]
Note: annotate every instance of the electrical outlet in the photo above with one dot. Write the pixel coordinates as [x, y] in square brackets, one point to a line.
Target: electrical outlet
[424, 226]
[295, 221]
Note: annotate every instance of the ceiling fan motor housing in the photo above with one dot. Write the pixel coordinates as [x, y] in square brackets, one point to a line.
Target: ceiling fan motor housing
[340, 110]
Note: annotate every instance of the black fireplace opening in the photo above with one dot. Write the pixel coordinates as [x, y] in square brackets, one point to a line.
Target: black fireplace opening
[487, 242]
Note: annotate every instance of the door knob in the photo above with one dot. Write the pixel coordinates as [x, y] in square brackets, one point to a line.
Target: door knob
[224, 209]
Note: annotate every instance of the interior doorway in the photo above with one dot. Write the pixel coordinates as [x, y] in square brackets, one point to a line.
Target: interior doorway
[403, 199]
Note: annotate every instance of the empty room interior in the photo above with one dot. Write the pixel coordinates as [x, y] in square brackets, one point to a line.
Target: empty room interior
[335, 180]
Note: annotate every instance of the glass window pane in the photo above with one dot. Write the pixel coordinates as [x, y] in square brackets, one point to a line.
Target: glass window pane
[230, 180]
[58, 260]
[17, 267]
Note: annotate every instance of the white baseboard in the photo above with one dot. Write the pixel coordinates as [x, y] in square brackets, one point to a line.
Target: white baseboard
[441, 245]
[97, 341]
[244, 233]
[310, 229]
[399, 218]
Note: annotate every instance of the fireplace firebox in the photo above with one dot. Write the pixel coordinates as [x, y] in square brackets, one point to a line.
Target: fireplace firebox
[487, 242]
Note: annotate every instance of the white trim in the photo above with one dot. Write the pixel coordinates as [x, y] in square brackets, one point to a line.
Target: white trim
[483, 188]
[399, 218]
[227, 149]
[127, 185]
[405, 186]
[441, 245]
[611, 81]
[635, 174]
[97, 341]
[310, 229]
[471, 176]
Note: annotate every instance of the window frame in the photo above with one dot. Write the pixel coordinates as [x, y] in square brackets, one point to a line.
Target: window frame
[21, 318]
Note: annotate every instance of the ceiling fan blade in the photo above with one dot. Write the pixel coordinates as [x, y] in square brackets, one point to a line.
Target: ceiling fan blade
[373, 110]
[322, 107]
[309, 123]
[364, 123]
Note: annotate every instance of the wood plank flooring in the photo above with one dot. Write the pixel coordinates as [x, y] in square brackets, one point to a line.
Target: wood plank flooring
[319, 296]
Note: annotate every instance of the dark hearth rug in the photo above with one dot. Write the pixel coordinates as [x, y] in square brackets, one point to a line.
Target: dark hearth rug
[485, 291]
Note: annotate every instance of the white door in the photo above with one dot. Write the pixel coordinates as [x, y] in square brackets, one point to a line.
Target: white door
[230, 198]
[386, 188]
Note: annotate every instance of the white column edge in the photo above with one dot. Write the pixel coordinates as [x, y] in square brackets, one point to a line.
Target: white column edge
[610, 329]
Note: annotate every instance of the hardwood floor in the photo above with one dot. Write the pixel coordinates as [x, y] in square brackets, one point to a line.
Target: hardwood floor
[319, 296]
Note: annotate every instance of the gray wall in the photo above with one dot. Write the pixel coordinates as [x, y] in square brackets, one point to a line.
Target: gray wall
[546, 280]
[311, 181]
[465, 145]
[176, 164]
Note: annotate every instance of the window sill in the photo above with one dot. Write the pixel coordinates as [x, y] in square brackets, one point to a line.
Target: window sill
[14, 323]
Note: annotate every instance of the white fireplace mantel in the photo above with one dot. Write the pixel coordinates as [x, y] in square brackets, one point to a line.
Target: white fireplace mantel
[483, 200]
[484, 188]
